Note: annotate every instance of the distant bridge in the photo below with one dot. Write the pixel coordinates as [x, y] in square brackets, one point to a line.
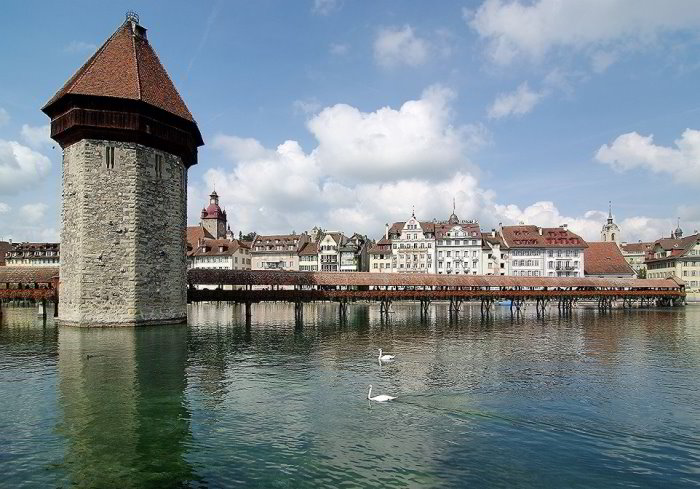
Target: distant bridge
[253, 286]
[40, 284]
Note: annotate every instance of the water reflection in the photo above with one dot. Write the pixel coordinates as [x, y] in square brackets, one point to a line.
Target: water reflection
[124, 415]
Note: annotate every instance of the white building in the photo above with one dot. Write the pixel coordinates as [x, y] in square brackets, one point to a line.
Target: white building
[308, 257]
[380, 256]
[277, 252]
[495, 256]
[543, 252]
[458, 247]
[33, 255]
[329, 251]
[353, 254]
[413, 246]
[222, 254]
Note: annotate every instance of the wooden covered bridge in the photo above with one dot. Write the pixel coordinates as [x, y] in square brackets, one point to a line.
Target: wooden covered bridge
[40, 284]
[253, 286]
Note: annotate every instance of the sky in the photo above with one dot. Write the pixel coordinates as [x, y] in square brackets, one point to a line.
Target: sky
[351, 114]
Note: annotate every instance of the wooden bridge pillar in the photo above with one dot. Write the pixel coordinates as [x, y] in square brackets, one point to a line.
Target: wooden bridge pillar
[343, 310]
[424, 308]
[384, 308]
[486, 303]
[55, 307]
[299, 311]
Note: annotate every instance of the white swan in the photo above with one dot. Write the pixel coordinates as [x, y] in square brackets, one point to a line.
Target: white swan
[385, 358]
[379, 398]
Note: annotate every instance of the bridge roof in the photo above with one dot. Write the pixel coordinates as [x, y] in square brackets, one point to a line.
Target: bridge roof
[273, 277]
[28, 275]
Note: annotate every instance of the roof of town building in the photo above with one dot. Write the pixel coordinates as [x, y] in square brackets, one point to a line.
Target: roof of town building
[216, 247]
[195, 233]
[674, 246]
[471, 228]
[639, 247]
[528, 236]
[397, 227]
[309, 248]
[605, 258]
[297, 240]
[126, 67]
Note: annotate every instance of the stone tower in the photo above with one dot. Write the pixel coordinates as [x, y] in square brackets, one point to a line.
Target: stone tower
[610, 231]
[128, 140]
[213, 218]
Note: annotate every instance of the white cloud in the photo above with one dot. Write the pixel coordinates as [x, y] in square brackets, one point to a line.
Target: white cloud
[396, 46]
[4, 208]
[418, 139]
[20, 166]
[80, 47]
[339, 49]
[4, 117]
[369, 168]
[324, 7]
[33, 213]
[517, 103]
[632, 150]
[514, 29]
[307, 106]
[36, 136]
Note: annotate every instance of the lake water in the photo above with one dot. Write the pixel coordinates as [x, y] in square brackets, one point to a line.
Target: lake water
[594, 400]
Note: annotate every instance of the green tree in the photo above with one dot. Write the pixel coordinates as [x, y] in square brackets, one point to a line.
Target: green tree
[642, 273]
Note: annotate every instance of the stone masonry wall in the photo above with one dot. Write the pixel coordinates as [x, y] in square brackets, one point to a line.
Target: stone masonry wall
[123, 236]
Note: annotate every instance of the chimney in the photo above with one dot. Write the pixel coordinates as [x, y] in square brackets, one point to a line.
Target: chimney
[564, 226]
[386, 231]
[493, 233]
[540, 231]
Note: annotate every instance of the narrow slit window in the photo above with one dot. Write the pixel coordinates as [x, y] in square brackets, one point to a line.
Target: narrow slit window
[109, 157]
[159, 166]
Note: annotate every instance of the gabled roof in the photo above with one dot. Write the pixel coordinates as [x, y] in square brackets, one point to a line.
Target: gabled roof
[195, 233]
[127, 67]
[216, 247]
[640, 247]
[675, 247]
[605, 258]
[309, 249]
[471, 228]
[527, 236]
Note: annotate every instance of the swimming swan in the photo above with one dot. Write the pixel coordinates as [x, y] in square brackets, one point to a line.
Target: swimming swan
[380, 398]
[385, 358]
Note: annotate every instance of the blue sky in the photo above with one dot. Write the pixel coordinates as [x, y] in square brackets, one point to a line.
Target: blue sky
[347, 114]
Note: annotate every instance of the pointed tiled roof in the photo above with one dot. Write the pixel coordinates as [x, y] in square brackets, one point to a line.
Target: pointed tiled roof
[127, 67]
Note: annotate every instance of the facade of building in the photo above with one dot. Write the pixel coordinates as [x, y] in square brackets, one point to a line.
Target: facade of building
[610, 231]
[458, 247]
[329, 251]
[543, 252]
[33, 255]
[222, 254]
[127, 141]
[494, 254]
[604, 259]
[635, 255]
[277, 252]
[5, 246]
[354, 254]
[308, 257]
[676, 257]
[413, 246]
[380, 254]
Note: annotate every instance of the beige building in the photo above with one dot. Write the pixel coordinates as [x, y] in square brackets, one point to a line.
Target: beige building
[494, 254]
[635, 255]
[458, 247]
[277, 252]
[413, 246]
[380, 256]
[33, 255]
[222, 254]
[610, 231]
[308, 257]
[677, 257]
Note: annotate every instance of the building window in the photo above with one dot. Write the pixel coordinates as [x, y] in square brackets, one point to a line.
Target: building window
[159, 166]
[109, 157]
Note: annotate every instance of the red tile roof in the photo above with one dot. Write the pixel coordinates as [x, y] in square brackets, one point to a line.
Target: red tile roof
[640, 247]
[674, 247]
[526, 236]
[195, 233]
[605, 258]
[216, 247]
[309, 249]
[126, 66]
[472, 229]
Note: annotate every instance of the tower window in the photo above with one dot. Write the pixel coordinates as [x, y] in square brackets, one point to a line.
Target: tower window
[159, 166]
[109, 157]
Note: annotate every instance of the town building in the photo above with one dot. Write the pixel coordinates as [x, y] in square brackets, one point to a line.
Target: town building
[329, 251]
[308, 257]
[413, 246]
[277, 252]
[380, 254]
[494, 254]
[5, 247]
[354, 255]
[543, 252]
[610, 231]
[128, 140]
[679, 258]
[635, 255]
[33, 255]
[222, 254]
[458, 246]
[604, 259]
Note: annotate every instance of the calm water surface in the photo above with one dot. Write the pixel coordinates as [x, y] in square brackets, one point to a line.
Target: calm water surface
[587, 401]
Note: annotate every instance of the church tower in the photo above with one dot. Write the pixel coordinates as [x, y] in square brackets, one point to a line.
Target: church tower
[128, 140]
[213, 218]
[610, 231]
